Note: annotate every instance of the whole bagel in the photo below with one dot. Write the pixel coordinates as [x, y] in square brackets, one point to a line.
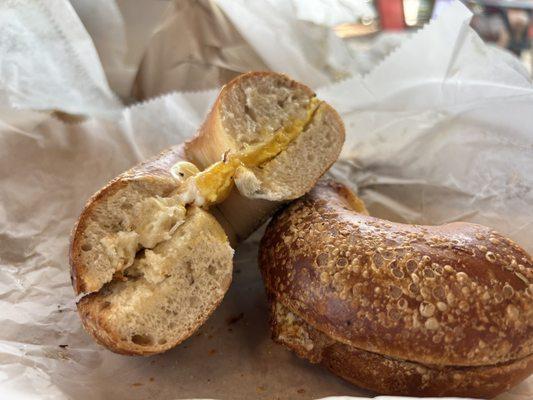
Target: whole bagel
[395, 308]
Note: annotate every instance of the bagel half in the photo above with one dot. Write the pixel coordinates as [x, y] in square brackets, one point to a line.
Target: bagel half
[151, 254]
[398, 309]
[152, 270]
[276, 140]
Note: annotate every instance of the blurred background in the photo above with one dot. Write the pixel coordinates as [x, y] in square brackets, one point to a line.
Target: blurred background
[504, 23]
[192, 45]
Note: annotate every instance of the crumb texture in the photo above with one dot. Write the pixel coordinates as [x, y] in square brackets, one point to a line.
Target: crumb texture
[257, 105]
[167, 292]
[253, 112]
[131, 215]
[288, 176]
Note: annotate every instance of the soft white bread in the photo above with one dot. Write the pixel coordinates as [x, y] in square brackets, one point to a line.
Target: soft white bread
[137, 209]
[396, 308]
[167, 293]
[151, 264]
[155, 269]
[248, 114]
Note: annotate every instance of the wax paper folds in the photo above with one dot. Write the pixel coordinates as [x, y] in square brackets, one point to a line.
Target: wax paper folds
[440, 130]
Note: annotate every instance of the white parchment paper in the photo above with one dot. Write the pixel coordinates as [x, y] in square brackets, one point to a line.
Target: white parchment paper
[439, 131]
[48, 61]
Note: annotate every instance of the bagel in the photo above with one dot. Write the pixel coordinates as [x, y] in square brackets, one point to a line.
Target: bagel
[151, 253]
[398, 309]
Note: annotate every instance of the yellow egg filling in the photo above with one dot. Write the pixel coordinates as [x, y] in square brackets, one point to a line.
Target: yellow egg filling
[215, 183]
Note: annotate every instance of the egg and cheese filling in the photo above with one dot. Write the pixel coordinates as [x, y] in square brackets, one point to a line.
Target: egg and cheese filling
[214, 184]
[154, 220]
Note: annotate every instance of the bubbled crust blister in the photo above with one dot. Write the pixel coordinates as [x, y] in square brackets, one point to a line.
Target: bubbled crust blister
[458, 294]
[389, 375]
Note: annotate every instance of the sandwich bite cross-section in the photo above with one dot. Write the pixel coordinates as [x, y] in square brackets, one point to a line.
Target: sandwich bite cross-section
[150, 254]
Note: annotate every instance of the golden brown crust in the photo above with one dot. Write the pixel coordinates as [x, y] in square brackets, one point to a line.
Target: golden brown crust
[156, 169]
[387, 375]
[458, 294]
[396, 377]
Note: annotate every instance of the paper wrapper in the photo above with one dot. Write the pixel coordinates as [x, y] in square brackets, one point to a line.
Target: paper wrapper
[49, 61]
[439, 131]
[226, 38]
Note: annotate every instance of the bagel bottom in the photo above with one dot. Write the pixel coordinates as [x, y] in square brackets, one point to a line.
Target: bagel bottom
[387, 375]
[166, 294]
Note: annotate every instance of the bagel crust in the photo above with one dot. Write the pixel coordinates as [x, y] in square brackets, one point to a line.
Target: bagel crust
[388, 375]
[440, 297]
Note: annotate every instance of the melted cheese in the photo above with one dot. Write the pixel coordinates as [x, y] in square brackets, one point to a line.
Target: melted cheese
[156, 218]
[215, 183]
[120, 248]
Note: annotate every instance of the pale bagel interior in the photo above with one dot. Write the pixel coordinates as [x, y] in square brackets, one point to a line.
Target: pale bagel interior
[257, 105]
[138, 215]
[168, 291]
[293, 172]
[155, 267]
[283, 137]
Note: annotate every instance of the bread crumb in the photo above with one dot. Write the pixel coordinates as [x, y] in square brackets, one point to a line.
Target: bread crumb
[234, 319]
[212, 352]
[136, 384]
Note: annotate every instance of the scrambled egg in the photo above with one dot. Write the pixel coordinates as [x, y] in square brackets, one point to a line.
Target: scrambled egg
[214, 184]
[155, 219]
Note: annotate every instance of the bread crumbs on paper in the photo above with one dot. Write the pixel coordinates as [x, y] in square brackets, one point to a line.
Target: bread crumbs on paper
[234, 319]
